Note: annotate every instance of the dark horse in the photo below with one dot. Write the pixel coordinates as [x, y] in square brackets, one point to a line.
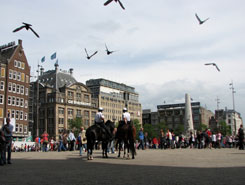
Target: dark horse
[126, 134]
[96, 133]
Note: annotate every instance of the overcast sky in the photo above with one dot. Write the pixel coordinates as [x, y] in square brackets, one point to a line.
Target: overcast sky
[160, 47]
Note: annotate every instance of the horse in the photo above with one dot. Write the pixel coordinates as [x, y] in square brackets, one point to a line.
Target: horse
[126, 133]
[96, 133]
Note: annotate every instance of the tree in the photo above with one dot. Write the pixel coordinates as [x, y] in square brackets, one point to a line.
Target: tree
[224, 128]
[150, 130]
[76, 125]
[202, 127]
[179, 130]
[163, 126]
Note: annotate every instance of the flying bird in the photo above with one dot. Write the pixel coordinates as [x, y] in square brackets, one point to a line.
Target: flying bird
[199, 20]
[27, 27]
[108, 52]
[213, 65]
[109, 1]
[88, 57]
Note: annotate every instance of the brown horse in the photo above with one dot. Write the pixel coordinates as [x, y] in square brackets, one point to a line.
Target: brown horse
[126, 134]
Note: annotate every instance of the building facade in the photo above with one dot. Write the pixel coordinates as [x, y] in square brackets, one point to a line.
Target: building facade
[174, 115]
[113, 97]
[231, 117]
[60, 99]
[14, 88]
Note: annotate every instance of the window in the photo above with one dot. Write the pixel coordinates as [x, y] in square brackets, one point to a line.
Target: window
[21, 115]
[21, 128]
[27, 79]
[61, 110]
[2, 86]
[21, 89]
[10, 87]
[10, 74]
[26, 103]
[14, 88]
[70, 94]
[78, 96]
[61, 121]
[16, 127]
[13, 100]
[19, 64]
[70, 112]
[22, 102]
[15, 63]
[18, 89]
[27, 91]
[86, 98]
[18, 76]
[3, 72]
[23, 77]
[79, 113]
[1, 98]
[25, 129]
[86, 114]
[17, 102]
[9, 100]
[25, 116]
[17, 115]
[14, 75]
[12, 113]
[22, 65]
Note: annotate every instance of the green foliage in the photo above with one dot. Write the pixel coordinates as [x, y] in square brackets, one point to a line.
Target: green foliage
[179, 130]
[202, 127]
[224, 128]
[76, 125]
[150, 130]
[161, 125]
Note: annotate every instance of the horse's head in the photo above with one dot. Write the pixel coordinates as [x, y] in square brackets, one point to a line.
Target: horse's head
[110, 125]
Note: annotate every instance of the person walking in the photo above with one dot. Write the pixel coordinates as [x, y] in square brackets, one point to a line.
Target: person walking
[141, 137]
[45, 141]
[72, 140]
[241, 137]
[2, 147]
[8, 131]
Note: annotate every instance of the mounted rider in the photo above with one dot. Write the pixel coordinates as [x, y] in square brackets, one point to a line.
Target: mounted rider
[100, 121]
[126, 116]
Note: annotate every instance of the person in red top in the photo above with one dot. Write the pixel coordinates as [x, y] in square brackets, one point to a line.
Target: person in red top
[45, 140]
[209, 133]
[37, 143]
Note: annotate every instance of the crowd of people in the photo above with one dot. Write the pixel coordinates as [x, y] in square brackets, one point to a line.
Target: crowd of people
[200, 140]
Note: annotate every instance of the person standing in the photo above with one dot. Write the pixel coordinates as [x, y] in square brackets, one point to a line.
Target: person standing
[141, 137]
[241, 137]
[45, 141]
[8, 131]
[72, 140]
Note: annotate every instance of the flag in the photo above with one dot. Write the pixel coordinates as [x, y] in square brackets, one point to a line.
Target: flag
[43, 59]
[53, 56]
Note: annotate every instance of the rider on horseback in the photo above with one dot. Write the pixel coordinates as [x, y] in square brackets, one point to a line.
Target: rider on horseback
[100, 121]
[126, 116]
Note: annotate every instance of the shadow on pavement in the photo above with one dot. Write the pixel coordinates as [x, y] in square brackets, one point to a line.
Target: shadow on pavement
[79, 171]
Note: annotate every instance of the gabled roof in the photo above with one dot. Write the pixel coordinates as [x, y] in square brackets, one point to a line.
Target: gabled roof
[6, 53]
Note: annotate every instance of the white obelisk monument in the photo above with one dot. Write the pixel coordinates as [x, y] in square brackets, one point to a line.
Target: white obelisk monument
[188, 115]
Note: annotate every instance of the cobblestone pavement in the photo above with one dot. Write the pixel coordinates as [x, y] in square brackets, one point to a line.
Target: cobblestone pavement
[165, 167]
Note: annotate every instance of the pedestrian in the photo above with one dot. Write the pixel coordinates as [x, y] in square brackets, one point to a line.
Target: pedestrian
[72, 140]
[8, 130]
[37, 143]
[141, 137]
[2, 147]
[45, 141]
[219, 137]
[241, 137]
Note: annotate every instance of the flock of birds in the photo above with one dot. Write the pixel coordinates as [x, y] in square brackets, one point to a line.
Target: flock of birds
[108, 52]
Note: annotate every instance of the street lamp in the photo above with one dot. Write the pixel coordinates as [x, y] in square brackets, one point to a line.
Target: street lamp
[233, 101]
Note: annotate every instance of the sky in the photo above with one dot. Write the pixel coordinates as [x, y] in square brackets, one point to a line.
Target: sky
[160, 47]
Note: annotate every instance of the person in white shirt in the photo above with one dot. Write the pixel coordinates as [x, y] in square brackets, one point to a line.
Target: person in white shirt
[126, 116]
[72, 140]
[100, 121]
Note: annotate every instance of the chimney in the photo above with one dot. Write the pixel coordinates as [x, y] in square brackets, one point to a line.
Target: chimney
[20, 42]
[71, 71]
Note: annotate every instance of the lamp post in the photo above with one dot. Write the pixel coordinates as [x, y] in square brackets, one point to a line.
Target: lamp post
[233, 102]
[38, 70]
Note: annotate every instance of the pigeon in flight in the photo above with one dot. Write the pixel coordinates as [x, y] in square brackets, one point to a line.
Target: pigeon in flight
[109, 1]
[107, 51]
[213, 65]
[27, 27]
[199, 20]
[88, 57]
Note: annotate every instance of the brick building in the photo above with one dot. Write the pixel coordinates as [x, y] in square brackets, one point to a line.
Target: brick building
[14, 87]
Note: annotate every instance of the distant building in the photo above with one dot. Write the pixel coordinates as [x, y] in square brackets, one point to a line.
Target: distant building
[14, 87]
[174, 115]
[149, 117]
[56, 97]
[113, 97]
[231, 117]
